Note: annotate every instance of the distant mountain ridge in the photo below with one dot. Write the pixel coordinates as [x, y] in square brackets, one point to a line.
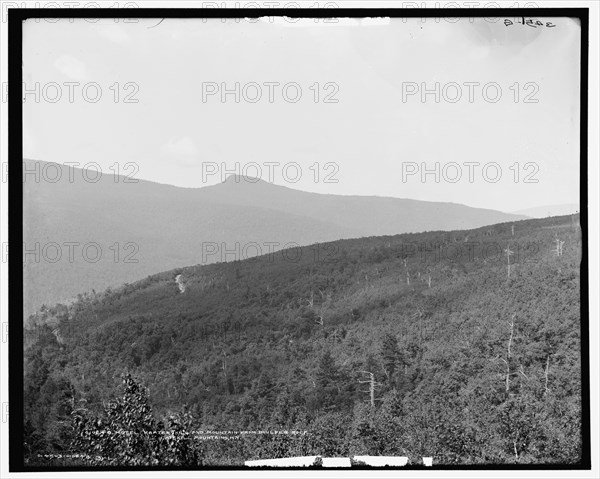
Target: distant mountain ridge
[368, 215]
[82, 235]
[550, 210]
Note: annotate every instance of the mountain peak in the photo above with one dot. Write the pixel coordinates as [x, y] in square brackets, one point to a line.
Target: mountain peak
[242, 179]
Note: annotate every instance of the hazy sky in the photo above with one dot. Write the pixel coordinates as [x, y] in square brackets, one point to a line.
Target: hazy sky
[374, 131]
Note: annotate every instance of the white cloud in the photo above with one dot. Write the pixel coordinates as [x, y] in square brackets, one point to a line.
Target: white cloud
[71, 67]
[182, 151]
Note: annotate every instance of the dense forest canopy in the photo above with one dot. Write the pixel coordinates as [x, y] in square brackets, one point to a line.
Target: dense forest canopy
[439, 344]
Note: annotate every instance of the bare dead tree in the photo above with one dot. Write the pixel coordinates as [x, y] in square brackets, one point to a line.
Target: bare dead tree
[509, 352]
[311, 301]
[512, 329]
[372, 386]
[522, 373]
[507, 372]
[507, 375]
[508, 252]
[558, 250]
[512, 230]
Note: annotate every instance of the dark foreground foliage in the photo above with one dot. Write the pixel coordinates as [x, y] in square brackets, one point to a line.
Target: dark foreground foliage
[416, 345]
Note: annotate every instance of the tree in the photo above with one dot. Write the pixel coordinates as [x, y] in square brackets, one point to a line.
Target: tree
[127, 434]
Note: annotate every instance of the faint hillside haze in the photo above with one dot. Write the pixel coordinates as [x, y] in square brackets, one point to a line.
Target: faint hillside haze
[141, 227]
[550, 210]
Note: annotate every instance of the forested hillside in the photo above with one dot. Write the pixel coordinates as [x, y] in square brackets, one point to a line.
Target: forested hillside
[423, 344]
[134, 228]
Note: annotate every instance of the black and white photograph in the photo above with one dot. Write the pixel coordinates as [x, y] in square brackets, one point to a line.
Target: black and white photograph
[315, 237]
